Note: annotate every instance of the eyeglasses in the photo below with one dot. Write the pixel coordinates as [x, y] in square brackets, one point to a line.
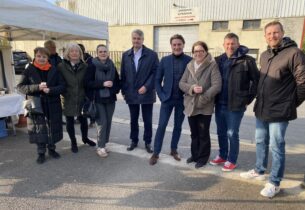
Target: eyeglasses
[198, 51]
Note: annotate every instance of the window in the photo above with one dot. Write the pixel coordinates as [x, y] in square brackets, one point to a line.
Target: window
[220, 25]
[251, 24]
[253, 53]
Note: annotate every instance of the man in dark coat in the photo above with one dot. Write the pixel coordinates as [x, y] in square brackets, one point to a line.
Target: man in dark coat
[138, 69]
[239, 75]
[281, 89]
[54, 57]
[168, 75]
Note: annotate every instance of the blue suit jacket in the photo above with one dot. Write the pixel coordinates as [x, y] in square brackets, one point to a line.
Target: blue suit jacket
[133, 80]
[165, 74]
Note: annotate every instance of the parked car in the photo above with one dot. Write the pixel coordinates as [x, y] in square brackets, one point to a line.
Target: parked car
[21, 60]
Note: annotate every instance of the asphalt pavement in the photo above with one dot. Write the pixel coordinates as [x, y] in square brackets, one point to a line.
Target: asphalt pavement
[125, 180]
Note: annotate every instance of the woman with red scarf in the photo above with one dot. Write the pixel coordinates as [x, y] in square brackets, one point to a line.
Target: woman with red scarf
[41, 80]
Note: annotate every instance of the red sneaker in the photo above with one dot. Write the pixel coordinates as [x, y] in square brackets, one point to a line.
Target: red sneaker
[228, 166]
[217, 161]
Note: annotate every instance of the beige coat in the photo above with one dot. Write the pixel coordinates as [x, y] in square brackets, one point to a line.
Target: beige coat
[207, 76]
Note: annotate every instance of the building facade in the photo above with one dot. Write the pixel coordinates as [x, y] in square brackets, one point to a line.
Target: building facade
[206, 20]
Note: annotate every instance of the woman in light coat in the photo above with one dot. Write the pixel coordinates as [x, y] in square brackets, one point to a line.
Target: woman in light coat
[200, 83]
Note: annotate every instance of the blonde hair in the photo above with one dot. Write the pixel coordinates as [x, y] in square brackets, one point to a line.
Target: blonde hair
[49, 43]
[71, 46]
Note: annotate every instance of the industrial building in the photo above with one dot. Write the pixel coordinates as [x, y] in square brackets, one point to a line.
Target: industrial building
[206, 20]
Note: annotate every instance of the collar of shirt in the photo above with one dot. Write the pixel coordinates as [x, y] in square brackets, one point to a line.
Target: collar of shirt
[137, 56]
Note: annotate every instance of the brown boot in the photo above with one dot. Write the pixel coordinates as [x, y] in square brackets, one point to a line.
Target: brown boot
[175, 155]
[154, 159]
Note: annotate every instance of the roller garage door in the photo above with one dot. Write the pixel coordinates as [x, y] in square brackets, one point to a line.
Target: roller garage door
[162, 36]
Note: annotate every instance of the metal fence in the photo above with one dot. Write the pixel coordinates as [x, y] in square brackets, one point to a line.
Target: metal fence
[116, 56]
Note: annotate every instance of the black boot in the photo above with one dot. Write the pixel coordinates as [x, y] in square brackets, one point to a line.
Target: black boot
[41, 159]
[89, 142]
[54, 154]
[74, 147]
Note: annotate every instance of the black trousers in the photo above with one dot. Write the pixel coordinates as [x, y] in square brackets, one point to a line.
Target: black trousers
[42, 147]
[200, 135]
[83, 127]
[147, 110]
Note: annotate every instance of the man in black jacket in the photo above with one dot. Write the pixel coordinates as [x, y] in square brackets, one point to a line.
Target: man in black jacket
[239, 82]
[281, 89]
[54, 57]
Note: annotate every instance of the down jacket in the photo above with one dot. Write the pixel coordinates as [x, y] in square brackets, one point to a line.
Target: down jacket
[46, 128]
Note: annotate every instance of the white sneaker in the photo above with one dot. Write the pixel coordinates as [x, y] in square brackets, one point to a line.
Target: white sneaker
[270, 190]
[101, 152]
[251, 174]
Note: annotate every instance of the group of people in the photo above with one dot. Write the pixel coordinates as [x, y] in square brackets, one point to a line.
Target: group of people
[194, 87]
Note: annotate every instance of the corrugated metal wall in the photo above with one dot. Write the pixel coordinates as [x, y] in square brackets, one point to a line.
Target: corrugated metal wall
[124, 12]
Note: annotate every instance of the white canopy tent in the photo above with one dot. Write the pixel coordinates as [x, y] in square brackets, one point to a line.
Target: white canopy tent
[41, 20]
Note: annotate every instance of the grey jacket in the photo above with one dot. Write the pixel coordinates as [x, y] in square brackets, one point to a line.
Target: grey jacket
[207, 76]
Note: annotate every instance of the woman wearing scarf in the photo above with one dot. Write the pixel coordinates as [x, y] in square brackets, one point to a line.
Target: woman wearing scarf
[73, 70]
[42, 81]
[103, 84]
[200, 83]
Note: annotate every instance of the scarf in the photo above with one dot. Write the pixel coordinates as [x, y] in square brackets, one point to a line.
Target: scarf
[104, 72]
[45, 67]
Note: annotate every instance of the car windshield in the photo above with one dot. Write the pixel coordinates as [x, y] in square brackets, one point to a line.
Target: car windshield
[19, 55]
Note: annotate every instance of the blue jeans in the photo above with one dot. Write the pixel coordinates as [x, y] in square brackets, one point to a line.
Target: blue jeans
[134, 110]
[165, 113]
[228, 123]
[272, 133]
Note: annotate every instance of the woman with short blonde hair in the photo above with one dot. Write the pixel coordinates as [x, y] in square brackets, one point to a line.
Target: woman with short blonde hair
[74, 69]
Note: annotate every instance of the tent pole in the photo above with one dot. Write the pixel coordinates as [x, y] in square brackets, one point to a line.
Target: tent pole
[3, 70]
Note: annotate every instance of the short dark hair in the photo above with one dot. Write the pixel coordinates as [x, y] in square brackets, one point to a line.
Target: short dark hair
[82, 47]
[101, 45]
[42, 50]
[177, 36]
[231, 36]
[49, 43]
[202, 44]
[273, 23]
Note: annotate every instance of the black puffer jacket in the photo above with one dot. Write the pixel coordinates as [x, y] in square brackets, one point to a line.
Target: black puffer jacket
[38, 130]
[281, 86]
[243, 79]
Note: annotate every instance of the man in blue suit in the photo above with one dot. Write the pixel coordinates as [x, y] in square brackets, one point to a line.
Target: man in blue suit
[168, 75]
[138, 68]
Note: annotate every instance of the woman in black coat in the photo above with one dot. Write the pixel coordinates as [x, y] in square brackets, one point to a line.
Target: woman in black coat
[42, 80]
[102, 84]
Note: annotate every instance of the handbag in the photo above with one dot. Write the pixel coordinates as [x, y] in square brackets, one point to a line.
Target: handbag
[89, 109]
[32, 106]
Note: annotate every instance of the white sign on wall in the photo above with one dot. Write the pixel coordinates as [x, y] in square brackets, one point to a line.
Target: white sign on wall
[182, 15]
